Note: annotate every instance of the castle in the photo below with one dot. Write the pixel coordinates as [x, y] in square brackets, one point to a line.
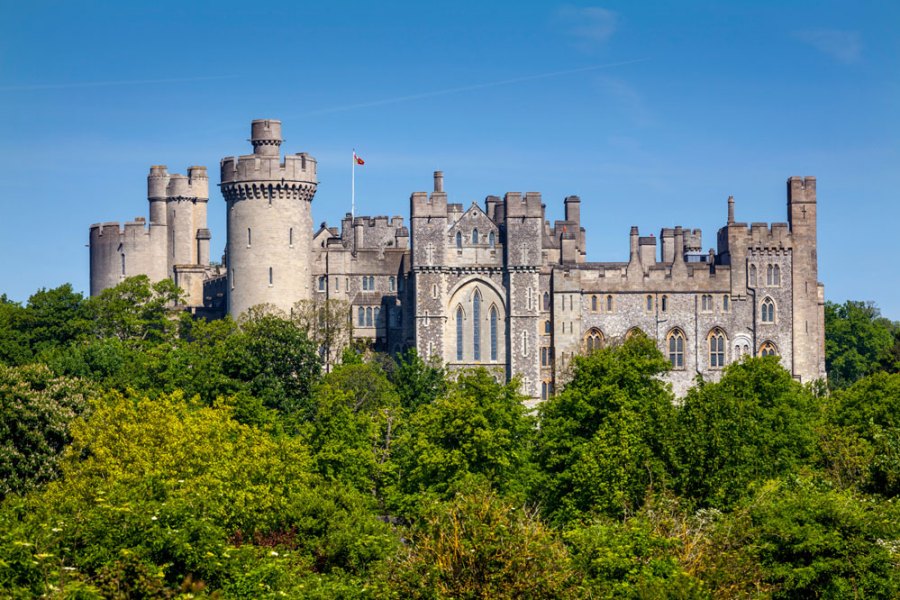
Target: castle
[494, 285]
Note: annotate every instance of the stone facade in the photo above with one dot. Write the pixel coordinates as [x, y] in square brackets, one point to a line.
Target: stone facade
[494, 285]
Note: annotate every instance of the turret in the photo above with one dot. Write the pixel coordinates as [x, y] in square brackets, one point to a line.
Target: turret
[269, 222]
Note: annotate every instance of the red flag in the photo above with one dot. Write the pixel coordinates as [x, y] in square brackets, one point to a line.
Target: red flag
[358, 160]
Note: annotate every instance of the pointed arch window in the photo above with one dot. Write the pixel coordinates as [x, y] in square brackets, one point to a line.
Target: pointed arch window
[459, 333]
[475, 236]
[361, 317]
[369, 316]
[776, 275]
[492, 239]
[649, 303]
[768, 349]
[593, 340]
[493, 333]
[706, 303]
[546, 300]
[476, 325]
[664, 303]
[675, 348]
[594, 303]
[768, 311]
[726, 303]
[548, 328]
[544, 389]
[609, 303]
[717, 343]
[752, 275]
[459, 239]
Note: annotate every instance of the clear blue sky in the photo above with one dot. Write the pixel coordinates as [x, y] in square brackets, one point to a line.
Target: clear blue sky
[690, 102]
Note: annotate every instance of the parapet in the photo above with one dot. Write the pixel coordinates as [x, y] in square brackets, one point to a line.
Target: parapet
[264, 164]
[529, 205]
[801, 189]
[161, 185]
[265, 135]
[423, 205]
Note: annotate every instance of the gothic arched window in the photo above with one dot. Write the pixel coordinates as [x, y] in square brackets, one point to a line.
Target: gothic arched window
[546, 301]
[361, 320]
[548, 328]
[593, 340]
[664, 303]
[776, 275]
[649, 303]
[609, 303]
[476, 325]
[459, 239]
[493, 333]
[770, 277]
[369, 316]
[768, 349]
[475, 236]
[491, 239]
[768, 311]
[752, 275]
[725, 303]
[459, 333]
[594, 303]
[717, 348]
[675, 348]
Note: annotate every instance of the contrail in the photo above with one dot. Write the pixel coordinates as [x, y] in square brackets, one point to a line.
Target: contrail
[468, 88]
[89, 84]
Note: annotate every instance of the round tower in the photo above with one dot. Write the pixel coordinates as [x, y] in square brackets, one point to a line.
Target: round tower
[269, 222]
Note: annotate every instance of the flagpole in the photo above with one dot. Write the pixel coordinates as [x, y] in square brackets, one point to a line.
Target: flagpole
[353, 187]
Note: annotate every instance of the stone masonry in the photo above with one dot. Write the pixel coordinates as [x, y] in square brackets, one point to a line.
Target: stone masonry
[494, 285]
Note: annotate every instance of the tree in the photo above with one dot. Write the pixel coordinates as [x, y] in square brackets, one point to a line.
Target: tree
[418, 382]
[36, 412]
[54, 317]
[327, 324]
[478, 432]
[858, 342]
[15, 348]
[756, 423]
[479, 545]
[604, 440]
[136, 311]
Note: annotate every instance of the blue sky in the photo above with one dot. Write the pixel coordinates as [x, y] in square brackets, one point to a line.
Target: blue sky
[652, 112]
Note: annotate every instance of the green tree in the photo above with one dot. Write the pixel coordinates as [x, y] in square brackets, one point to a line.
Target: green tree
[15, 348]
[418, 382]
[54, 318]
[756, 423]
[479, 431]
[858, 342]
[136, 311]
[604, 440]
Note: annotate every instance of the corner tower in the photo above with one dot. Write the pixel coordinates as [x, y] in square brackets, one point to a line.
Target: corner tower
[269, 222]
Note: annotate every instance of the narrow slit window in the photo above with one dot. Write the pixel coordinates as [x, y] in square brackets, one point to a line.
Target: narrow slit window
[476, 325]
[459, 333]
[493, 333]
[271, 278]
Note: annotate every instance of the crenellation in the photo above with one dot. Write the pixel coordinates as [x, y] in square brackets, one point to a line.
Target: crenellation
[493, 284]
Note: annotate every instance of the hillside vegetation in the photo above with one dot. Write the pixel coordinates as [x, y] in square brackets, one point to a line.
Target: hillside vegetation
[144, 454]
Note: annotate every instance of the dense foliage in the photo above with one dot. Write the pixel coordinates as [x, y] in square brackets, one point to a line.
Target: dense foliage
[146, 454]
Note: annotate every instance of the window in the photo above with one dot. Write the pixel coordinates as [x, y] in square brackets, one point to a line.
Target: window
[649, 303]
[675, 346]
[776, 275]
[291, 236]
[321, 283]
[768, 349]
[249, 237]
[492, 240]
[716, 348]
[337, 284]
[768, 311]
[594, 303]
[544, 387]
[524, 343]
[400, 284]
[752, 275]
[546, 301]
[377, 315]
[123, 264]
[392, 283]
[459, 333]
[232, 279]
[476, 325]
[493, 333]
[545, 356]
[434, 291]
[664, 304]
[548, 328]
[725, 303]
[365, 283]
[475, 236]
[633, 332]
[706, 302]
[593, 340]
[609, 304]
[361, 317]
[270, 275]
[371, 282]
[368, 316]
[459, 239]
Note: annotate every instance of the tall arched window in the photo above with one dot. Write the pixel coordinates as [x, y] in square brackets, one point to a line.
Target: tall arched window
[546, 301]
[770, 277]
[752, 275]
[544, 390]
[524, 343]
[322, 283]
[768, 311]
[476, 325]
[609, 303]
[594, 303]
[717, 348]
[459, 239]
[649, 303]
[361, 316]
[675, 348]
[776, 275]
[123, 264]
[459, 333]
[369, 316]
[768, 349]
[493, 333]
[664, 303]
[548, 328]
[725, 303]
[475, 236]
[593, 340]
[492, 240]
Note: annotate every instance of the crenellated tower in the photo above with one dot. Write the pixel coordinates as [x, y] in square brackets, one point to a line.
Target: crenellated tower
[269, 222]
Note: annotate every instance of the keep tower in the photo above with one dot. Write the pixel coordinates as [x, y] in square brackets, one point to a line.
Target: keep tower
[269, 222]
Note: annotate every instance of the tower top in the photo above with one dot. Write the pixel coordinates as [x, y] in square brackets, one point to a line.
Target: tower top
[265, 135]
